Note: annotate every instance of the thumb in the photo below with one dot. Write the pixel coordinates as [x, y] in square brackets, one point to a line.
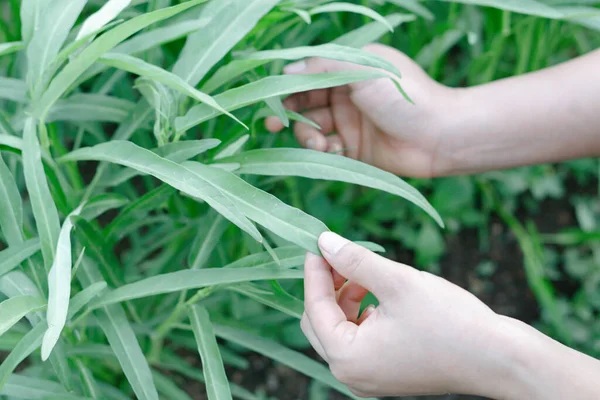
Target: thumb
[375, 273]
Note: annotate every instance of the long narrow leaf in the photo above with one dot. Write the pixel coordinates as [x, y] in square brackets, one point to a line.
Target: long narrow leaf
[263, 208]
[11, 212]
[103, 16]
[147, 70]
[30, 342]
[269, 87]
[217, 385]
[353, 8]
[44, 209]
[59, 287]
[59, 17]
[16, 254]
[232, 20]
[97, 48]
[318, 165]
[13, 89]
[330, 51]
[15, 308]
[191, 279]
[181, 178]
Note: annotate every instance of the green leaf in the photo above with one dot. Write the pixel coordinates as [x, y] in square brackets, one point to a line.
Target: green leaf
[59, 287]
[142, 68]
[82, 298]
[530, 7]
[207, 239]
[318, 165]
[167, 388]
[103, 16]
[353, 8]
[413, 6]
[331, 51]
[26, 387]
[283, 302]
[44, 209]
[191, 279]
[217, 385]
[269, 87]
[13, 89]
[181, 178]
[31, 16]
[261, 207]
[30, 342]
[372, 32]
[91, 107]
[229, 72]
[282, 354]
[232, 148]
[230, 21]
[58, 19]
[11, 212]
[102, 203]
[69, 74]
[16, 254]
[122, 340]
[15, 308]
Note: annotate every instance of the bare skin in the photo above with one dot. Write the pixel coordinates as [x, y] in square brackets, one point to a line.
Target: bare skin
[427, 335]
[546, 116]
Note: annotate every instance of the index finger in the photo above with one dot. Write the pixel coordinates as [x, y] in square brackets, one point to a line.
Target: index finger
[327, 318]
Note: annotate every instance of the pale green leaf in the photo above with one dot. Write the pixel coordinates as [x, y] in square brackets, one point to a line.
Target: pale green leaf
[58, 19]
[207, 239]
[69, 74]
[191, 279]
[13, 89]
[318, 165]
[82, 298]
[287, 222]
[15, 308]
[413, 6]
[330, 51]
[233, 148]
[122, 340]
[147, 70]
[59, 286]
[269, 87]
[31, 17]
[44, 209]
[27, 345]
[231, 21]
[103, 16]
[173, 174]
[16, 254]
[353, 8]
[102, 203]
[217, 385]
[11, 212]
[229, 72]
[372, 32]
[283, 302]
[25, 387]
[530, 7]
[91, 107]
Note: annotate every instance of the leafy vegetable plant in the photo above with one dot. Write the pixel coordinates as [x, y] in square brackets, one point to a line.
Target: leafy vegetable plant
[130, 231]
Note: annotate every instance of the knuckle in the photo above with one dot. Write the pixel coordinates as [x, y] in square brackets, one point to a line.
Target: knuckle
[355, 257]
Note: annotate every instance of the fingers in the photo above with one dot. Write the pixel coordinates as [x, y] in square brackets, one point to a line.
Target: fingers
[310, 137]
[335, 144]
[357, 264]
[327, 319]
[349, 298]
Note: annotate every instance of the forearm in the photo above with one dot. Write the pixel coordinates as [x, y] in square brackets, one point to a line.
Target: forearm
[547, 116]
[541, 368]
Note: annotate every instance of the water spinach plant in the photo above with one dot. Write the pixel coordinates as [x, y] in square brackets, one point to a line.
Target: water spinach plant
[134, 221]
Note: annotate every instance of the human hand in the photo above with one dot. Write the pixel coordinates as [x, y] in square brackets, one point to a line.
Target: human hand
[427, 336]
[372, 121]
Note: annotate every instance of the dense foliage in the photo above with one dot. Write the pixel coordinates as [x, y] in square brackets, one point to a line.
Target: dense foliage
[134, 167]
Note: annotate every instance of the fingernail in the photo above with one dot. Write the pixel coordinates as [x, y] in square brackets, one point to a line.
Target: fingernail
[311, 144]
[295, 68]
[331, 243]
